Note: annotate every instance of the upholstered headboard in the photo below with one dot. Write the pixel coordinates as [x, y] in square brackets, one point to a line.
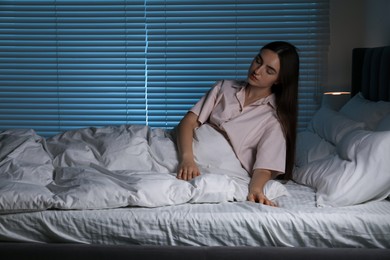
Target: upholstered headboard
[371, 73]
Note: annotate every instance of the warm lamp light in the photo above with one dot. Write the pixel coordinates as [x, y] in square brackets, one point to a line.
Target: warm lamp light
[335, 93]
[335, 99]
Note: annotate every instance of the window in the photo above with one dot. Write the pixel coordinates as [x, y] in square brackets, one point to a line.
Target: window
[68, 64]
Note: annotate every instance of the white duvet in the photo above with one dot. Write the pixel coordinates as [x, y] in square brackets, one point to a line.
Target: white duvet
[110, 167]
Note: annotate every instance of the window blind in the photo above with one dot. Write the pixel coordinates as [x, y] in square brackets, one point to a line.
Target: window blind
[67, 64]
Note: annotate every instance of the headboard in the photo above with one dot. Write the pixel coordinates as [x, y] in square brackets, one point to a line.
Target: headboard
[371, 73]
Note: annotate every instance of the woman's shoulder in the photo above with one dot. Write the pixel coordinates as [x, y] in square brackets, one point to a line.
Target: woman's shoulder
[230, 85]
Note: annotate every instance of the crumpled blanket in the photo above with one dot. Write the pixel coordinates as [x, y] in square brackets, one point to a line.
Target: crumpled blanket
[116, 166]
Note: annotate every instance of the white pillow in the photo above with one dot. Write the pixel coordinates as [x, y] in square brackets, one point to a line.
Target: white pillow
[362, 110]
[311, 147]
[364, 177]
[348, 146]
[332, 125]
[384, 124]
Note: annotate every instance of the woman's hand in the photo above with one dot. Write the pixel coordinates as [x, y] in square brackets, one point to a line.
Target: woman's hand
[256, 186]
[187, 170]
[260, 198]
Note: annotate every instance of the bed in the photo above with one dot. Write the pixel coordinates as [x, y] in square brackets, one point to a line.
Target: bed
[85, 193]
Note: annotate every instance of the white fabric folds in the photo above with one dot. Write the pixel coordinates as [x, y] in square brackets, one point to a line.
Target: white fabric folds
[111, 167]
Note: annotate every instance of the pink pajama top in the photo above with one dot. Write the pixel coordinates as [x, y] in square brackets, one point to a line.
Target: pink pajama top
[253, 131]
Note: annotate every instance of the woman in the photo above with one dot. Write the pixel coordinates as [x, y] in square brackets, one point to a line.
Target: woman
[258, 117]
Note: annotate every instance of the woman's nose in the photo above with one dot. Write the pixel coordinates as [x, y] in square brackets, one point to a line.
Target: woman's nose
[258, 69]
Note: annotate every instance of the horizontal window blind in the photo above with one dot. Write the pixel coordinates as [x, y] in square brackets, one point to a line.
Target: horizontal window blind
[68, 64]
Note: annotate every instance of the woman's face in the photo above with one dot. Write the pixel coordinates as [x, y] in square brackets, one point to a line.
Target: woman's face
[264, 70]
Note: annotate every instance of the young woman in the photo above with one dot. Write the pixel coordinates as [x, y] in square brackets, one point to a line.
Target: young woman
[258, 117]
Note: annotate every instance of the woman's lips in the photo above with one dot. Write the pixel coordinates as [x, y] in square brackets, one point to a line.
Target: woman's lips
[252, 77]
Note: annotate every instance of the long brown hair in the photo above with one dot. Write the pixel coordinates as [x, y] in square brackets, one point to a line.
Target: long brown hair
[286, 95]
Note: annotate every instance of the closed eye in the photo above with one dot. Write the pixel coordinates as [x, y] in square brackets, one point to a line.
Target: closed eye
[258, 59]
[271, 70]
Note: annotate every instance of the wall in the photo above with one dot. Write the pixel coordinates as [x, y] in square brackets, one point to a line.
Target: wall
[354, 23]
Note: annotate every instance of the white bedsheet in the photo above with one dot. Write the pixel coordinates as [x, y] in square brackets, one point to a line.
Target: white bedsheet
[297, 222]
[111, 167]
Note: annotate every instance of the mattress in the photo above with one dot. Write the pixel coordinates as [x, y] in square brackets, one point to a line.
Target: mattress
[296, 222]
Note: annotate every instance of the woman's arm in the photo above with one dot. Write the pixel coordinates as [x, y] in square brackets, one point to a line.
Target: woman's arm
[187, 168]
[256, 186]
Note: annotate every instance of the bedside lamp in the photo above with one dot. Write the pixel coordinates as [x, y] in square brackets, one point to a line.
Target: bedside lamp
[335, 100]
